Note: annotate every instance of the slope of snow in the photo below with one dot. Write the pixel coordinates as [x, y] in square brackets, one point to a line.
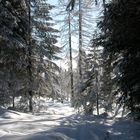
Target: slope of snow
[60, 122]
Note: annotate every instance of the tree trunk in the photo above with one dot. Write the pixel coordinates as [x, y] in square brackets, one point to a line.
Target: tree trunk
[29, 59]
[30, 101]
[80, 41]
[97, 88]
[71, 67]
[97, 93]
[13, 101]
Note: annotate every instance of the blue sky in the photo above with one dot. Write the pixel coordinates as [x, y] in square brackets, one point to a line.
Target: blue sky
[52, 1]
[55, 2]
[75, 39]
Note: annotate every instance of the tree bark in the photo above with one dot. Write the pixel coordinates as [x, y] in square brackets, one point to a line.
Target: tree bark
[80, 41]
[29, 58]
[70, 51]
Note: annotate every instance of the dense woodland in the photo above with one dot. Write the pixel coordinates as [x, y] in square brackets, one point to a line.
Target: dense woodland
[108, 69]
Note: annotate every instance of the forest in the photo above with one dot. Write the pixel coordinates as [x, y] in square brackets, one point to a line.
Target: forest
[75, 63]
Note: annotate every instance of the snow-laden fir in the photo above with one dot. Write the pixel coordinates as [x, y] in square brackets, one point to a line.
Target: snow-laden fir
[59, 121]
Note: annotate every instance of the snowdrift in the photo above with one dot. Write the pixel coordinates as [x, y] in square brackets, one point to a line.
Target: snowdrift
[11, 114]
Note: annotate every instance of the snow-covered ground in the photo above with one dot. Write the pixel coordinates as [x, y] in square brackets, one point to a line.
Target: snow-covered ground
[61, 122]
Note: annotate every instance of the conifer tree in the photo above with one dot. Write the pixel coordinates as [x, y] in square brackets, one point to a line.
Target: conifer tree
[13, 38]
[121, 19]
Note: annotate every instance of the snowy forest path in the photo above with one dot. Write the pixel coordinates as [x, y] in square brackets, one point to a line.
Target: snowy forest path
[61, 122]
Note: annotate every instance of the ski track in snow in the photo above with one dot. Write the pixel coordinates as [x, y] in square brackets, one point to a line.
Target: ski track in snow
[60, 122]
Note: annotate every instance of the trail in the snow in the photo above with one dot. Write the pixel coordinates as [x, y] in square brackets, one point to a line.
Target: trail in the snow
[60, 122]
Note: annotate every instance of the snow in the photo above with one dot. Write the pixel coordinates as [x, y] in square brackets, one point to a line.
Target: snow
[61, 122]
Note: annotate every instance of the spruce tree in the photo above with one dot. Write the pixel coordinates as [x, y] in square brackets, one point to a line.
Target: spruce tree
[121, 39]
[13, 38]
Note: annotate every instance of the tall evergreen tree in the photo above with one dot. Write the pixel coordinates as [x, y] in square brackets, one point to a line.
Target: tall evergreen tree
[122, 32]
[42, 44]
[24, 43]
[13, 39]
